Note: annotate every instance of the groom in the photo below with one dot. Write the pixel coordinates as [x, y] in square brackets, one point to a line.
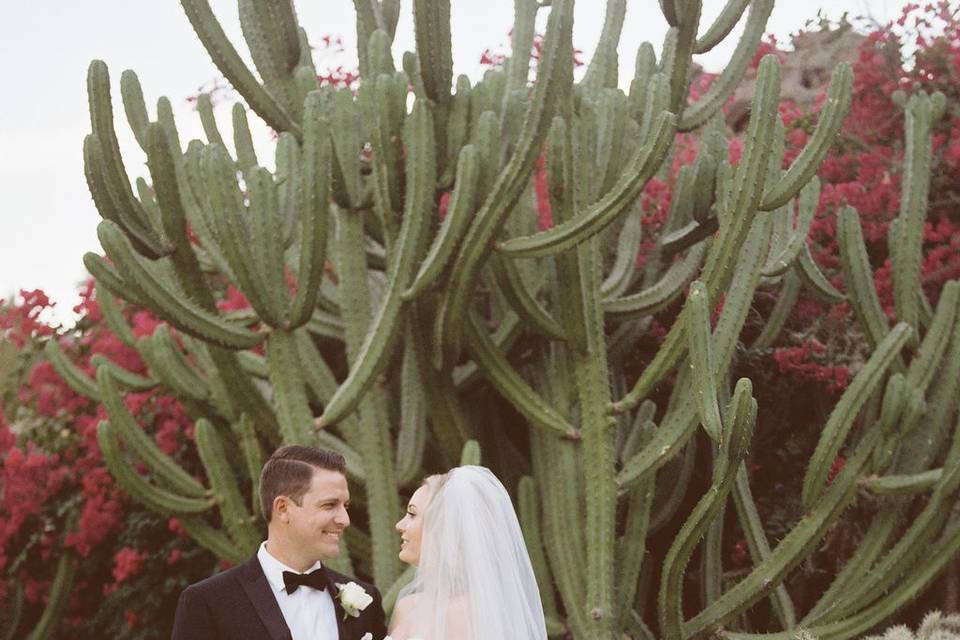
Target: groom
[283, 592]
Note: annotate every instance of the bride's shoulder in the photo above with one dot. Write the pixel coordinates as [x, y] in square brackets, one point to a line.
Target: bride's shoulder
[406, 603]
[402, 611]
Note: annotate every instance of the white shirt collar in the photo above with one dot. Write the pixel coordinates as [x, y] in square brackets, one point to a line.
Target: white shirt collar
[273, 569]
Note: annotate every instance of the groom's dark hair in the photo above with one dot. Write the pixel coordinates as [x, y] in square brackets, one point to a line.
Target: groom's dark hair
[289, 471]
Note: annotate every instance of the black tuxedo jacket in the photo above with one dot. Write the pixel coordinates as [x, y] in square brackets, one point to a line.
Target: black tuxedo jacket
[239, 604]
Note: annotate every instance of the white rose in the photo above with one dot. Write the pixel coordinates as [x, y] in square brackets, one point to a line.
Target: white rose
[353, 598]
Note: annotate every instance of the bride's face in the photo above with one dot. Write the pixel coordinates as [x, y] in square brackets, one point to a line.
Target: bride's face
[411, 526]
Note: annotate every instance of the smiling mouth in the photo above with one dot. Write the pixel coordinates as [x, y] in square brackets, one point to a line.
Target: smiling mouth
[333, 534]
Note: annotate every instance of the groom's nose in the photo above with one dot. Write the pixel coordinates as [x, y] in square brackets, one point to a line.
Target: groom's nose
[342, 518]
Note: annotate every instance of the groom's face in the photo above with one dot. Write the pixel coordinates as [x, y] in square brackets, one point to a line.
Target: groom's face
[317, 523]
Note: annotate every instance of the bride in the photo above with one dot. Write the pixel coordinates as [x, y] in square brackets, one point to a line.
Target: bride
[474, 580]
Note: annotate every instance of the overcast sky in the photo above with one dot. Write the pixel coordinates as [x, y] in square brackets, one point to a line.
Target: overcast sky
[48, 219]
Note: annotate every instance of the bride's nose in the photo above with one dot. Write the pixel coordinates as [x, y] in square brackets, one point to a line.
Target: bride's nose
[399, 525]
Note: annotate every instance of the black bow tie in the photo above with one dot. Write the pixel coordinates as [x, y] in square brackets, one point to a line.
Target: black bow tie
[315, 579]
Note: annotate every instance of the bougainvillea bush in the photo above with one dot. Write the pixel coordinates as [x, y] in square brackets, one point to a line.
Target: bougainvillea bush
[56, 496]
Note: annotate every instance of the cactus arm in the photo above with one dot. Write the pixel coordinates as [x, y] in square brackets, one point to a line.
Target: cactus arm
[252, 458]
[153, 497]
[583, 226]
[242, 140]
[113, 316]
[521, 44]
[916, 583]
[701, 360]
[602, 70]
[166, 120]
[470, 454]
[555, 74]
[846, 410]
[236, 519]
[928, 357]
[183, 314]
[562, 193]
[523, 300]
[659, 295]
[208, 121]
[58, 599]
[759, 547]
[142, 445]
[528, 511]
[431, 21]
[807, 208]
[493, 363]
[212, 540]
[909, 484]
[412, 431]
[920, 447]
[431, 26]
[127, 379]
[913, 210]
[134, 106]
[555, 469]
[632, 548]
[678, 63]
[722, 26]
[792, 549]
[168, 363]
[804, 167]
[732, 74]
[858, 277]
[315, 211]
[75, 378]
[381, 337]
[346, 133]
[504, 338]
[816, 282]
[274, 54]
[266, 245]
[624, 268]
[355, 466]
[230, 222]
[741, 417]
[289, 390]
[871, 546]
[911, 545]
[644, 69]
[461, 206]
[789, 293]
[592, 378]
[114, 175]
[225, 56]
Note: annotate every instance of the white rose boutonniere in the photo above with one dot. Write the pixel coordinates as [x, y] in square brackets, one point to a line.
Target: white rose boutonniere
[353, 598]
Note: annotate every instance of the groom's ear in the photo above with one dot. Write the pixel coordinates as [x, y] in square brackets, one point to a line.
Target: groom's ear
[280, 508]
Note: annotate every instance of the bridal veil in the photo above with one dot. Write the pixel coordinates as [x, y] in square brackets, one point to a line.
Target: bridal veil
[475, 576]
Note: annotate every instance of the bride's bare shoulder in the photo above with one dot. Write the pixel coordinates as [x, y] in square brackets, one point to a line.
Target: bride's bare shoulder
[402, 611]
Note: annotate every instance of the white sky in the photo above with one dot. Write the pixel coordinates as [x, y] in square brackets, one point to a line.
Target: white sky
[47, 219]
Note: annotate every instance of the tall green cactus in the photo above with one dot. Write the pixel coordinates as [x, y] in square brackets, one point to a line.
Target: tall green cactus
[410, 344]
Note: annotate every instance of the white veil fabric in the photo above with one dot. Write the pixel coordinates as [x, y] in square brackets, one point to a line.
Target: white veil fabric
[475, 580]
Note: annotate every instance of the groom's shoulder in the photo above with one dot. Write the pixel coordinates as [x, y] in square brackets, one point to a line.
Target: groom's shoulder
[221, 581]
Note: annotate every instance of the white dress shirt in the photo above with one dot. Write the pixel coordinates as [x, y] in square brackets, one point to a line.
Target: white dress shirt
[309, 613]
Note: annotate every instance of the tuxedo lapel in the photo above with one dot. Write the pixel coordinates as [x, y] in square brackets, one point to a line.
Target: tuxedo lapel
[338, 609]
[261, 595]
